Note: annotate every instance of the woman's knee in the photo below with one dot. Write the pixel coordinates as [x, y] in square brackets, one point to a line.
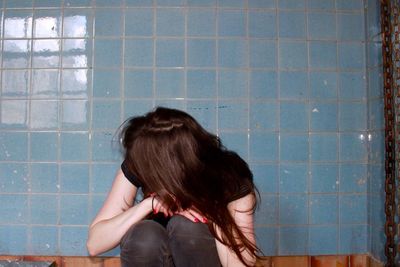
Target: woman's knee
[144, 238]
[181, 226]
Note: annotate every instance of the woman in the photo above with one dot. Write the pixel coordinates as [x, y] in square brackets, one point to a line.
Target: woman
[203, 192]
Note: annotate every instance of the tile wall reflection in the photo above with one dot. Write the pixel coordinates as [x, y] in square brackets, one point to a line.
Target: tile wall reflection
[283, 83]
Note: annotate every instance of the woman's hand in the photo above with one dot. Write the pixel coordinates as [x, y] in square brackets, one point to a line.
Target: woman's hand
[192, 215]
[158, 206]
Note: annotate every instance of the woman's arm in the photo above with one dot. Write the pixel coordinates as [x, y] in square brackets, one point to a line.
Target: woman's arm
[116, 216]
[241, 211]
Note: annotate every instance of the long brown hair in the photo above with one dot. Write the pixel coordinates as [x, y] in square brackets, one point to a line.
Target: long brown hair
[188, 167]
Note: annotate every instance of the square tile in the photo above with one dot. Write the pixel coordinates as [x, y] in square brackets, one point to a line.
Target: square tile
[139, 52]
[75, 114]
[353, 116]
[16, 54]
[293, 178]
[106, 83]
[268, 51]
[232, 84]
[73, 240]
[293, 116]
[349, 26]
[324, 147]
[328, 49]
[108, 53]
[324, 178]
[16, 238]
[44, 178]
[105, 147]
[44, 209]
[75, 83]
[292, 24]
[45, 83]
[353, 239]
[201, 22]
[16, 210]
[74, 211]
[14, 146]
[293, 209]
[263, 146]
[232, 115]
[293, 240]
[77, 53]
[47, 23]
[353, 147]
[349, 4]
[170, 22]
[232, 53]
[14, 114]
[74, 146]
[324, 209]
[108, 22]
[263, 84]
[201, 83]
[353, 178]
[294, 147]
[321, 25]
[16, 83]
[103, 176]
[351, 56]
[201, 52]
[138, 83]
[139, 22]
[77, 22]
[44, 240]
[170, 53]
[46, 53]
[353, 208]
[262, 24]
[106, 114]
[18, 23]
[231, 23]
[293, 85]
[170, 84]
[44, 146]
[323, 240]
[324, 116]
[74, 178]
[293, 55]
[14, 177]
[263, 115]
[44, 114]
[323, 85]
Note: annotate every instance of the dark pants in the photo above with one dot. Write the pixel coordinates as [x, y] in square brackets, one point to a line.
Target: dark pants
[181, 244]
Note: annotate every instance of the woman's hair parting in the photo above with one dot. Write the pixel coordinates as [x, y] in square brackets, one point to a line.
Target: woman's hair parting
[172, 155]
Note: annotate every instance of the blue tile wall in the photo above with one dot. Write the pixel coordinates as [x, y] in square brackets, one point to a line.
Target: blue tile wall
[375, 125]
[293, 86]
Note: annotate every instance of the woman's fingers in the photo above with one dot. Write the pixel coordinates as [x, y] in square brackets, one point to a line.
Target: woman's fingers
[187, 215]
[193, 216]
[197, 215]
